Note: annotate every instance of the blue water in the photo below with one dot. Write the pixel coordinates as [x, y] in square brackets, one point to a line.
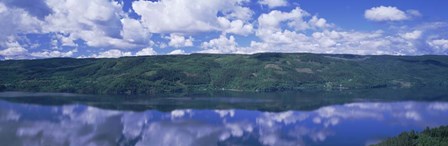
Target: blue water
[351, 123]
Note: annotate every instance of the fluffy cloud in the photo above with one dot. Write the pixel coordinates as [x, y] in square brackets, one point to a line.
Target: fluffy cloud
[66, 40]
[389, 13]
[186, 15]
[97, 39]
[235, 27]
[318, 22]
[13, 50]
[412, 35]
[274, 18]
[114, 53]
[177, 52]
[16, 51]
[270, 30]
[297, 19]
[241, 13]
[54, 53]
[273, 3]
[146, 52]
[347, 42]
[178, 41]
[293, 37]
[221, 45]
[133, 31]
[97, 22]
[103, 25]
[441, 45]
[38, 9]
[15, 21]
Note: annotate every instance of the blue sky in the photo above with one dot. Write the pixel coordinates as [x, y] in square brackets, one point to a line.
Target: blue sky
[110, 29]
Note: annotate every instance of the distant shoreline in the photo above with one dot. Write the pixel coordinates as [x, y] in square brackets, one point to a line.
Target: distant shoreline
[183, 74]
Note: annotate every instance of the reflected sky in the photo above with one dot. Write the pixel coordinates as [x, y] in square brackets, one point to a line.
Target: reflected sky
[359, 123]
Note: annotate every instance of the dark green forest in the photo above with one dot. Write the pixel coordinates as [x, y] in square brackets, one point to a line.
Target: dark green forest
[429, 137]
[180, 74]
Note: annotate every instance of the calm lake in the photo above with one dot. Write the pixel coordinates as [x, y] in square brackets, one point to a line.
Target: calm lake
[282, 119]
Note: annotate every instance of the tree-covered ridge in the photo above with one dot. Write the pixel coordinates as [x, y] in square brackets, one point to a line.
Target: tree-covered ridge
[429, 137]
[207, 72]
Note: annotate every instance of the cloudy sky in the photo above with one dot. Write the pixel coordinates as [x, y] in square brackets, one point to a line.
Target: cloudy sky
[114, 28]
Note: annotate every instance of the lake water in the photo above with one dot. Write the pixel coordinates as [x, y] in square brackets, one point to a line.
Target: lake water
[346, 118]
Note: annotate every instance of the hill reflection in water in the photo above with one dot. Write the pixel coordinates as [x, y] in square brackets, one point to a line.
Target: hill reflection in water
[338, 121]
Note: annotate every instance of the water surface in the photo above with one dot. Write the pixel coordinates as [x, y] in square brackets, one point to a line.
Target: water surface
[288, 119]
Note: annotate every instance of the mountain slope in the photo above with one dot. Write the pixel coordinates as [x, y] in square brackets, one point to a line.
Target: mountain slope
[207, 72]
[428, 137]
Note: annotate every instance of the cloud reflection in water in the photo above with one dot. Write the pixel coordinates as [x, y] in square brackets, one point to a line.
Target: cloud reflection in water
[23, 124]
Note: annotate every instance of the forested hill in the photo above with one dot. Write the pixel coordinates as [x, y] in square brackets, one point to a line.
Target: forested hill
[206, 72]
[429, 137]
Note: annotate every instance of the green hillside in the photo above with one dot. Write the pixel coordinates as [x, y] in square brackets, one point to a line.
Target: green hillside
[428, 137]
[267, 72]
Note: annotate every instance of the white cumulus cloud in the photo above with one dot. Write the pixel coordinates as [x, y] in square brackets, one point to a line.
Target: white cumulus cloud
[412, 35]
[146, 52]
[13, 50]
[236, 26]
[177, 52]
[187, 15]
[134, 31]
[440, 45]
[177, 41]
[273, 3]
[104, 28]
[389, 13]
[221, 45]
[114, 53]
[97, 22]
[54, 53]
